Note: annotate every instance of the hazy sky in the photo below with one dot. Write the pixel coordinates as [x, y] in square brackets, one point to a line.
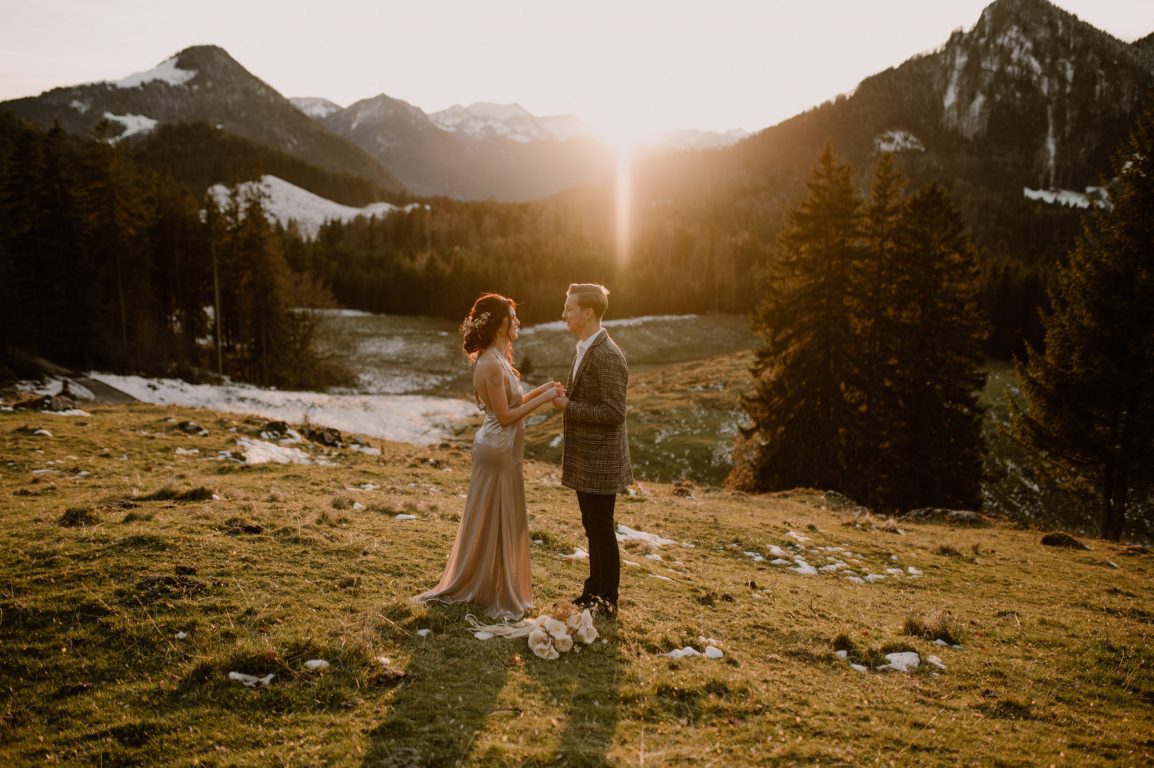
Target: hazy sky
[626, 65]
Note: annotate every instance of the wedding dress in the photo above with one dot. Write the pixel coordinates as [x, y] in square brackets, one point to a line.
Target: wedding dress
[489, 562]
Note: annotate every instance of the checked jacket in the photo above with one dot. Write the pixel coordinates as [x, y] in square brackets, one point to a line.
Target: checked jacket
[596, 453]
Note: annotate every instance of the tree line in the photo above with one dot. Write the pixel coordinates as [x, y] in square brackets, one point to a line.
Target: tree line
[107, 264]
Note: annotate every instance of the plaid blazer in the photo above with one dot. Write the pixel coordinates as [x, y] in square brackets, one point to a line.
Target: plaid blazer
[596, 453]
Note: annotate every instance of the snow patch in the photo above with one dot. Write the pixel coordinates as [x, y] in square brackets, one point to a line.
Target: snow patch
[625, 533]
[484, 120]
[262, 452]
[951, 96]
[404, 418]
[1092, 196]
[316, 108]
[133, 124]
[285, 202]
[166, 72]
[898, 141]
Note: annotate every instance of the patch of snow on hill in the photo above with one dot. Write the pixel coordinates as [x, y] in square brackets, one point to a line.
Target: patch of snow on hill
[898, 141]
[166, 72]
[316, 108]
[133, 124]
[80, 106]
[403, 418]
[287, 202]
[1092, 196]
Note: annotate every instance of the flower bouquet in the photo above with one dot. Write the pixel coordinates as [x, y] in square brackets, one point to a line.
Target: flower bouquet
[549, 635]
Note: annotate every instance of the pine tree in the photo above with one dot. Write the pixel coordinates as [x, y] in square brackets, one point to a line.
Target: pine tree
[879, 265]
[254, 284]
[801, 409]
[1088, 408]
[934, 335]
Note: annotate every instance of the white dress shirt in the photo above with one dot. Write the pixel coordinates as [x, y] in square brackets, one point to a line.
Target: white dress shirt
[582, 348]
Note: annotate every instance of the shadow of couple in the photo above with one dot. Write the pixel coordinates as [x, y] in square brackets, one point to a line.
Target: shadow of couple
[448, 711]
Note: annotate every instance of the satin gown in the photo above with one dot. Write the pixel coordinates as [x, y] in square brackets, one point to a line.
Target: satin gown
[489, 562]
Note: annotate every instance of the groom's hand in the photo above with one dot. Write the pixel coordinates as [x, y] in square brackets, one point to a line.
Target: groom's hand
[560, 401]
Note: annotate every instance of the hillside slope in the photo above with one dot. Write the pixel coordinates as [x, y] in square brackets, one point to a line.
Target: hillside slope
[144, 563]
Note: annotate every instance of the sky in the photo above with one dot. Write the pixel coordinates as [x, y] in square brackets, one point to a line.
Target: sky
[627, 67]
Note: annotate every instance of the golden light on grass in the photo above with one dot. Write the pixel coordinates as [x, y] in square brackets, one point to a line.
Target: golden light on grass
[122, 621]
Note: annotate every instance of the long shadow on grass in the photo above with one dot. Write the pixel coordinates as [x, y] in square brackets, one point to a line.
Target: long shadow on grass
[450, 689]
[585, 685]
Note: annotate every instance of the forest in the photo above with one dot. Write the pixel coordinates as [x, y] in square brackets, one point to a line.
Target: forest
[113, 257]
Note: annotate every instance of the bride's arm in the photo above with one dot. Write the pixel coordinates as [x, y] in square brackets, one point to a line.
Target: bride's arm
[530, 395]
[489, 378]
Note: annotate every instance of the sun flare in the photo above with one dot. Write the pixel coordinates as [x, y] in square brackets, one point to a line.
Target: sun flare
[624, 185]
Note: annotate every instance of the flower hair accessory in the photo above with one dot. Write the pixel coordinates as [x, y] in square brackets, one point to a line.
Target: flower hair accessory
[471, 324]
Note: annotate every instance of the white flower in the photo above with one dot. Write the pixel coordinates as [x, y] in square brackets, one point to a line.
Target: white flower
[472, 323]
[563, 643]
[587, 634]
[541, 644]
[554, 627]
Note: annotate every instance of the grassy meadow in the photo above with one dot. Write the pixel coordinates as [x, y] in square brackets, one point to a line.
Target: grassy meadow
[141, 564]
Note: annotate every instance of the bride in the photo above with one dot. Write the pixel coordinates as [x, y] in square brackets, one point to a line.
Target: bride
[489, 562]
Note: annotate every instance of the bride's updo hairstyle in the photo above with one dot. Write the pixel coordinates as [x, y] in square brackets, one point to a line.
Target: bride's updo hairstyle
[480, 326]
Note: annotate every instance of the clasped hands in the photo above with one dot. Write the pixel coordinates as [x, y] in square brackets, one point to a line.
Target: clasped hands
[560, 400]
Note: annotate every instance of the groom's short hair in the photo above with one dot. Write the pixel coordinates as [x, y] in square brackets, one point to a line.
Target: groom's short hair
[591, 296]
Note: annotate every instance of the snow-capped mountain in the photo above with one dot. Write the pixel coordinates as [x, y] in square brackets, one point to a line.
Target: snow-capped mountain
[484, 120]
[487, 151]
[491, 151]
[200, 84]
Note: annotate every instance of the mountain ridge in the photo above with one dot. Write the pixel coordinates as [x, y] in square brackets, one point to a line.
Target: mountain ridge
[202, 84]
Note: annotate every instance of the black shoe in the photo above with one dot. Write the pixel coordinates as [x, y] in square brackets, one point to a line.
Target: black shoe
[585, 601]
[606, 608]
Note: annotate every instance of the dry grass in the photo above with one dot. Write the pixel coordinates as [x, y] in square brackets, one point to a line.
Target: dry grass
[111, 547]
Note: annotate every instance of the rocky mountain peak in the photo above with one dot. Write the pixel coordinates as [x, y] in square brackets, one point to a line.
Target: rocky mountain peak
[1029, 66]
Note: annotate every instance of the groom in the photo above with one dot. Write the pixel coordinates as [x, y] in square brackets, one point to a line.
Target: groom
[596, 454]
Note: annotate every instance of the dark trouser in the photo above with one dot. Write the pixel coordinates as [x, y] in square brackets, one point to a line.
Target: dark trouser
[604, 559]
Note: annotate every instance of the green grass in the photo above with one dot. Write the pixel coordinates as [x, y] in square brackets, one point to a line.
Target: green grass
[117, 547]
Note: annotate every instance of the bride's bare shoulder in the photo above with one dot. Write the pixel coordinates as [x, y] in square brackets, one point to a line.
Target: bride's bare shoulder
[487, 367]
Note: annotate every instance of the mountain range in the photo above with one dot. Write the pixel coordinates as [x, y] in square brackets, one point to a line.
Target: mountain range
[1029, 98]
[482, 151]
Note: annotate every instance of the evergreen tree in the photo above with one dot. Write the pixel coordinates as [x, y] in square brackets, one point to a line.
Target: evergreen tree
[930, 418]
[255, 291]
[801, 410]
[876, 272]
[122, 328]
[1088, 408]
